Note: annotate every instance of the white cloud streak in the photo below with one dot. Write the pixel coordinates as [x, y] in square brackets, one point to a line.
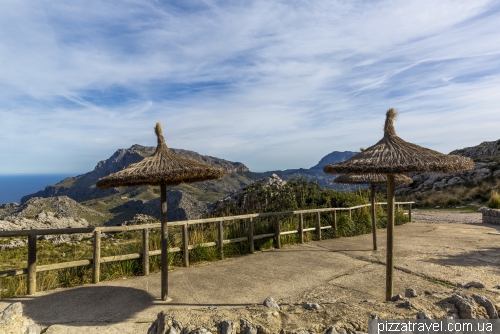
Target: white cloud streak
[272, 84]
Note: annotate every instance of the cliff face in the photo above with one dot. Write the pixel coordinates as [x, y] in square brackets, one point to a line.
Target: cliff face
[82, 187]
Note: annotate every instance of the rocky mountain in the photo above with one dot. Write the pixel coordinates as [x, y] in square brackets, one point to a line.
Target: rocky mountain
[121, 204]
[486, 149]
[332, 158]
[82, 187]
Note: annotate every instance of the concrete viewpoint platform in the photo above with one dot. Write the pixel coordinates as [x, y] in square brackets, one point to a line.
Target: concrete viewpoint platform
[447, 252]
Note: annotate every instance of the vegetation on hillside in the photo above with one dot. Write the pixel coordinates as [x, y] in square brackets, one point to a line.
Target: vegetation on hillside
[298, 194]
[476, 193]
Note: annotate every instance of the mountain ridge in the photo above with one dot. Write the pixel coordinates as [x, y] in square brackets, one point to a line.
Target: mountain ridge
[82, 187]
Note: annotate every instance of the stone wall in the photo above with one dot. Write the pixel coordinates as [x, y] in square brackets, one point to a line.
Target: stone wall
[491, 216]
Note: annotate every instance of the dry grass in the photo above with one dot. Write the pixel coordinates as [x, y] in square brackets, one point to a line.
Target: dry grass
[494, 201]
[478, 193]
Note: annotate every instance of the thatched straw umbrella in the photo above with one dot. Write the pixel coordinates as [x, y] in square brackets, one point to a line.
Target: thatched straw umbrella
[392, 155]
[372, 180]
[163, 168]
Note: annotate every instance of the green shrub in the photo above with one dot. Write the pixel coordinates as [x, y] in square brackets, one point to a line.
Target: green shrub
[345, 226]
[400, 218]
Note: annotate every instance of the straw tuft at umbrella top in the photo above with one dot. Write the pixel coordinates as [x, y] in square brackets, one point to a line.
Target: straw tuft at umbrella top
[393, 155]
[163, 167]
[376, 179]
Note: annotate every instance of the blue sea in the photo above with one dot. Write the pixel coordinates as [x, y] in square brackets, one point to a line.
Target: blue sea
[15, 186]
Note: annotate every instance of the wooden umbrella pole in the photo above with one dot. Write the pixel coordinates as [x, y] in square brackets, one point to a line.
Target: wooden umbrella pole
[374, 224]
[390, 237]
[164, 243]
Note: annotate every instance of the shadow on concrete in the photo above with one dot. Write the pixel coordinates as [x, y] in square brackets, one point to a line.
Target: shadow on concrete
[496, 227]
[481, 257]
[209, 305]
[88, 303]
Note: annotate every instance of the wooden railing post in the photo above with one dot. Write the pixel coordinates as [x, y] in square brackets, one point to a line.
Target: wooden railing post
[96, 264]
[301, 228]
[409, 213]
[31, 264]
[145, 252]
[221, 240]
[350, 214]
[318, 225]
[185, 244]
[277, 232]
[335, 220]
[250, 236]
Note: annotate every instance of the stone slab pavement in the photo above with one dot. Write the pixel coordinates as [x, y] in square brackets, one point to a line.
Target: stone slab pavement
[424, 252]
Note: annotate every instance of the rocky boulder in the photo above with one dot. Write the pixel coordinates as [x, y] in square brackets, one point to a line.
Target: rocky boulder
[12, 321]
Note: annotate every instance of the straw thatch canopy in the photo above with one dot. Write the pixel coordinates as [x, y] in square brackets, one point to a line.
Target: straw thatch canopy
[393, 155]
[377, 179]
[163, 167]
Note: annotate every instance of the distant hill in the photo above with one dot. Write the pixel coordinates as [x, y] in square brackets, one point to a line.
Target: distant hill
[332, 158]
[315, 173]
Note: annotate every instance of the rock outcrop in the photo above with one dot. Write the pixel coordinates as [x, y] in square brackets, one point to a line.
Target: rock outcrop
[487, 166]
[46, 213]
[239, 197]
[483, 150]
[181, 206]
[59, 206]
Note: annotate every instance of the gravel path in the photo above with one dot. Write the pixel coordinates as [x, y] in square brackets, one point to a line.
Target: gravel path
[441, 216]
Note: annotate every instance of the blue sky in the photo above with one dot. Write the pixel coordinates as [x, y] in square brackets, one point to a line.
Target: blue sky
[272, 84]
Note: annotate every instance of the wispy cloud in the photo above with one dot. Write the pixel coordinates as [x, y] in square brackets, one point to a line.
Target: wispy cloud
[274, 84]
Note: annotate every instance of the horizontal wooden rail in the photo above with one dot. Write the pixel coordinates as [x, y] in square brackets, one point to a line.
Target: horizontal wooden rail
[32, 268]
[262, 236]
[62, 265]
[13, 272]
[289, 232]
[48, 231]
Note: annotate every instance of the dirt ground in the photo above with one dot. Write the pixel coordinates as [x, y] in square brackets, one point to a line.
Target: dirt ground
[345, 277]
[443, 216]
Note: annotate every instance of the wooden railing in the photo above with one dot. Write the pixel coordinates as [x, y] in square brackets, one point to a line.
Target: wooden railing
[96, 261]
